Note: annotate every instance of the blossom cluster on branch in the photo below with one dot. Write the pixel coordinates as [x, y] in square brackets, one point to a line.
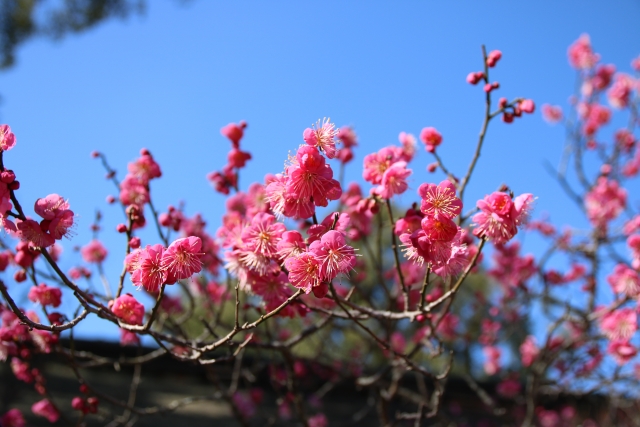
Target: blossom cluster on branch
[373, 294]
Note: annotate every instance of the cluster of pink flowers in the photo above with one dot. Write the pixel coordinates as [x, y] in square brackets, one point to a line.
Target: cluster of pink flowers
[57, 222]
[500, 217]
[431, 236]
[619, 326]
[320, 263]
[306, 183]
[155, 265]
[606, 200]
[581, 55]
[134, 188]
[387, 169]
[226, 179]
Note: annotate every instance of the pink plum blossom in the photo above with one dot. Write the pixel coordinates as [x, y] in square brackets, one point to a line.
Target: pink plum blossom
[44, 408]
[7, 138]
[94, 252]
[12, 418]
[440, 200]
[45, 295]
[323, 136]
[333, 255]
[619, 324]
[127, 308]
[182, 258]
[149, 272]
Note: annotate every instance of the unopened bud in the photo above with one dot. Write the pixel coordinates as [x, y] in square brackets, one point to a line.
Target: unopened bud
[7, 176]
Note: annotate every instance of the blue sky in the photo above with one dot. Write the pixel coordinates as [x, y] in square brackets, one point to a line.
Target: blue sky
[170, 79]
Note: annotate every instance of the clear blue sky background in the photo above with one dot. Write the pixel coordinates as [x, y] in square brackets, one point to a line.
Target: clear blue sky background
[170, 79]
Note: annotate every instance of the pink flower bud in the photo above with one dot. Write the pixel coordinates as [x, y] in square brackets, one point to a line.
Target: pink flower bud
[134, 242]
[527, 106]
[605, 169]
[474, 78]
[432, 167]
[20, 276]
[507, 117]
[15, 185]
[121, 228]
[493, 58]
[503, 102]
[7, 176]
[95, 154]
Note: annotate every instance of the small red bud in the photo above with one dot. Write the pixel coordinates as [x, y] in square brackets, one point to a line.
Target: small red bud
[110, 199]
[20, 276]
[95, 154]
[121, 228]
[14, 185]
[507, 117]
[134, 242]
[432, 167]
[503, 102]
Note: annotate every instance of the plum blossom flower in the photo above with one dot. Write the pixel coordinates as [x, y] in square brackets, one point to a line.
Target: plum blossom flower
[44, 408]
[375, 164]
[620, 92]
[45, 295]
[492, 362]
[581, 55]
[310, 176]
[440, 200]
[323, 136]
[128, 338]
[127, 308]
[304, 271]
[619, 324]
[622, 351]
[13, 418]
[263, 234]
[145, 167]
[431, 138]
[7, 138]
[606, 200]
[133, 191]
[182, 258]
[149, 272]
[333, 255]
[551, 113]
[50, 206]
[394, 180]
[528, 351]
[30, 231]
[499, 216]
[94, 251]
[624, 280]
